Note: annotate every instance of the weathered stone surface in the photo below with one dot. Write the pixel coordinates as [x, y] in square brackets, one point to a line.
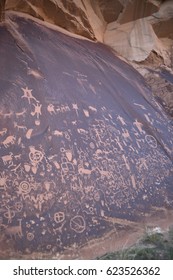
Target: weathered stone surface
[109, 9]
[90, 18]
[76, 16]
[136, 9]
[134, 40]
[86, 152]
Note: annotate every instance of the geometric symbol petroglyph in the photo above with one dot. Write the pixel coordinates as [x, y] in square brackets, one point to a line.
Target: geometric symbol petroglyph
[35, 156]
[152, 142]
[30, 236]
[78, 224]
[24, 187]
[59, 217]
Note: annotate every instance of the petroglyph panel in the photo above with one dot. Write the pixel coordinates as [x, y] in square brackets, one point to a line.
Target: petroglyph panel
[80, 148]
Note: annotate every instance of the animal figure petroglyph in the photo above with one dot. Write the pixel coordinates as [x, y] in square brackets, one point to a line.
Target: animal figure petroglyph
[51, 109]
[3, 131]
[9, 140]
[19, 127]
[58, 133]
[7, 115]
[14, 231]
[21, 113]
[8, 159]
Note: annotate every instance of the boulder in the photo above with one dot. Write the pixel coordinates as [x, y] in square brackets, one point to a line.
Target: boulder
[86, 158]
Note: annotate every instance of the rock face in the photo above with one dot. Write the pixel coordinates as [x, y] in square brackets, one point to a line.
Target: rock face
[117, 23]
[86, 152]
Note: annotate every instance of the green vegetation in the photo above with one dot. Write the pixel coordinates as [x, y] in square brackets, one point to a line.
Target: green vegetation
[155, 245]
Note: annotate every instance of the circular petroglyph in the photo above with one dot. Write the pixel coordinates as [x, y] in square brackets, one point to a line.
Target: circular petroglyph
[152, 142]
[59, 217]
[78, 224]
[35, 156]
[24, 187]
[30, 236]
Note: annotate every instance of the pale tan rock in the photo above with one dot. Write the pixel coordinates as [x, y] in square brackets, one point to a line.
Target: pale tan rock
[133, 40]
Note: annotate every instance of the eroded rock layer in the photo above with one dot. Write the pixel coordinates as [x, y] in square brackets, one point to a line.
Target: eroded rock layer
[85, 150]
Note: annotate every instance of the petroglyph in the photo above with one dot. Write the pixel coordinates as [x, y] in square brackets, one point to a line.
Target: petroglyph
[37, 110]
[51, 109]
[10, 140]
[75, 107]
[151, 140]
[8, 159]
[15, 231]
[78, 224]
[59, 217]
[9, 214]
[103, 160]
[3, 181]
[29, 133]
[35, 156]
[19, 127]
[27, 93]
[139, 126]
[21, 114]
[3, 131]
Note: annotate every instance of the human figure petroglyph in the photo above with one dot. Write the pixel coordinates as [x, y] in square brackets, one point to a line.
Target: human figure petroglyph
[9, 214]
[9, 141]
[14, 231]
[3, 131]
[142, 163]
[126, 134]
[139, 125]
[37, 110]
[8, 159]
[28, 94]
[19, 127]
[75, 107]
